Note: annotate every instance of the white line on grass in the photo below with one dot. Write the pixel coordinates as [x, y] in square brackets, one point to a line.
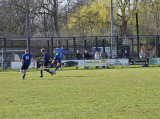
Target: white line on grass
[86, 112]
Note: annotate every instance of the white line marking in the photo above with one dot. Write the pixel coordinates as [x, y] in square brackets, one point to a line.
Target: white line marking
[68, 113]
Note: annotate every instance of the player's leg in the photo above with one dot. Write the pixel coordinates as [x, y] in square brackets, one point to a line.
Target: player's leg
[22, 70]
[41, 71]
[58, 65]
[52, 63]
[47, 70]
[24, 74]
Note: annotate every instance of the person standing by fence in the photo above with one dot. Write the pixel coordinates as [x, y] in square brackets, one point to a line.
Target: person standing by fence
[86, 56]
[142, 55]
[96, 57]
[103, 56]
[78, 56]
[16, 57]
[126, 55]
[1, 59]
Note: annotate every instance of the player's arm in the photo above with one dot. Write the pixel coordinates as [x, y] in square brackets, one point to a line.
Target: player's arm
[33, 61]
[55, 50]
[65, 52]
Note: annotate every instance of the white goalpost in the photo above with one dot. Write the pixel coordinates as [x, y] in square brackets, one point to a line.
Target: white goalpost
[14, 65]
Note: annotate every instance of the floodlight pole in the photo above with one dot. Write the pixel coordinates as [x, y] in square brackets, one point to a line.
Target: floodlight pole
[112, 31]
[137, 35]
[28, 43]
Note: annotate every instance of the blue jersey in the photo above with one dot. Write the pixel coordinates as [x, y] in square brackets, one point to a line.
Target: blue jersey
[46, 57]
[126, 55]
[60, 52]
[26, 59]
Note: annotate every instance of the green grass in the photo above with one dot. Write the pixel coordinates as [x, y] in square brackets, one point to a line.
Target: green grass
[131, 93]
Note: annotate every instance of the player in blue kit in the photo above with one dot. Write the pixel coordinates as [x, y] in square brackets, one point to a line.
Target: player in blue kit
[45, 63]
[26, 60]
[57, 57]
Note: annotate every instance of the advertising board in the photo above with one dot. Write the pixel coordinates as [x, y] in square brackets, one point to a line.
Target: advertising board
[95, 62]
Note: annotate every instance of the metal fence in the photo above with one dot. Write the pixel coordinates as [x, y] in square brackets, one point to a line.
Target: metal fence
[91, 44]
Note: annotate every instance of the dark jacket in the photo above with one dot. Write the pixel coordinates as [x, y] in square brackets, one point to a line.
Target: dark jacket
[87, 56]
[126, 55]
[79, 56]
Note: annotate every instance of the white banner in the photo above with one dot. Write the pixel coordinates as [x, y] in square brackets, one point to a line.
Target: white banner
[154, 61]
[72, 63]
[18, 65]
[114, 62]
[95, 62]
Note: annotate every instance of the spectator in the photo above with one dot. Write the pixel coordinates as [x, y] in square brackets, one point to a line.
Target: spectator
[106, 56]
[1, 59]
[151, 53]
[17, 59]
[126, 55]
[78, 56]
[96, 57]
[103, 56]
[10, 60]
[86, 56]
[142, 55]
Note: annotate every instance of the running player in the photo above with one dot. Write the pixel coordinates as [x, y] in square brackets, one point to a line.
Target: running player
[45, 63]
[57, 57]
[26, 60]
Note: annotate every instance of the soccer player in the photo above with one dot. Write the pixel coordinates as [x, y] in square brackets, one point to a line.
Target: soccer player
[45, 63]
[57, 57]
[26, 60]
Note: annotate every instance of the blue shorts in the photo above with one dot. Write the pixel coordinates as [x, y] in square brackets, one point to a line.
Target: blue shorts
[56, 58]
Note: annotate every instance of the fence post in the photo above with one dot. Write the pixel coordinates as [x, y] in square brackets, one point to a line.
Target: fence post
[104, 45]
[96, 43]
[48, 46]
[137, 35]
[132, 48]
[157, 43]
[4, 47]
[67, 48]
[28, 40]
[117, 47]
[85, 45]
[52, 47]
[74, 43]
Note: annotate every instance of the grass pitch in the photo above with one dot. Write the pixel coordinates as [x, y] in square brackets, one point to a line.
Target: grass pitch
[81, 94]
